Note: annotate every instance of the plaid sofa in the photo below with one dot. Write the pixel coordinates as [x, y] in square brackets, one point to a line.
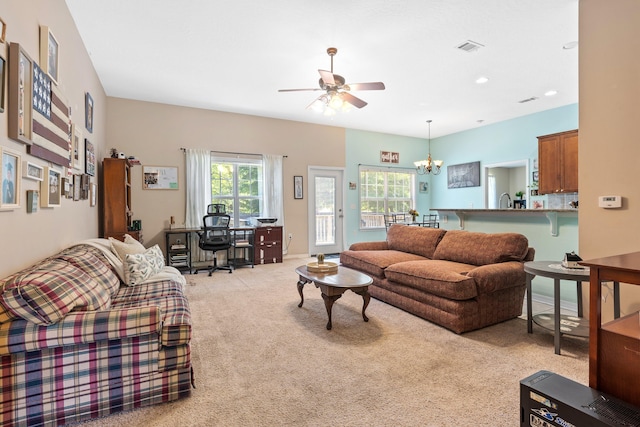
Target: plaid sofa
[75, 343]
[461, 280]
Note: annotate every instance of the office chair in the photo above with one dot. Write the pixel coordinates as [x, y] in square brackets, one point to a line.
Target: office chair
[216, 208]
[215, 236]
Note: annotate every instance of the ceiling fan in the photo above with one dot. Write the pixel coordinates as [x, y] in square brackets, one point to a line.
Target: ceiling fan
[337, 96]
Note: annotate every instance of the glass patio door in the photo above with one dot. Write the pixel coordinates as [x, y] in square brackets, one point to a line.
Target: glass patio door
[326, 214]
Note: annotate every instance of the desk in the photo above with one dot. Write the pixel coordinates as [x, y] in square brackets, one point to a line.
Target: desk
[561, 324]
[614, 347]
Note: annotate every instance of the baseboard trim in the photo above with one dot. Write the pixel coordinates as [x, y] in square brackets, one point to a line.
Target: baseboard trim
[564, 305]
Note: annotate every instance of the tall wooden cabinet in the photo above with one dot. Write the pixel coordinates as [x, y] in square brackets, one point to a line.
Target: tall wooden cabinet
[558, 163]
[116, 200]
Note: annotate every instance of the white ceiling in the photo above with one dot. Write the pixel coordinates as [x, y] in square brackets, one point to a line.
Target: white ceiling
[235, 55]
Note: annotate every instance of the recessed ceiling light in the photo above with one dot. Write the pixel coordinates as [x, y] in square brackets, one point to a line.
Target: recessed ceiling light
[482, 80]
[570, 45]
[550, 92]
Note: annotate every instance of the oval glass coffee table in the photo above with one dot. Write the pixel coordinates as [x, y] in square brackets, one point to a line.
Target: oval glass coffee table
[333, 285]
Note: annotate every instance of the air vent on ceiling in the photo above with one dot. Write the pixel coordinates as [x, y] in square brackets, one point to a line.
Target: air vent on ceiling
[533, 98]
[470, 46]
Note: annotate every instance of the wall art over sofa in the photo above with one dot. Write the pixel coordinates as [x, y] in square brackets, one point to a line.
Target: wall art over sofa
[463, 175]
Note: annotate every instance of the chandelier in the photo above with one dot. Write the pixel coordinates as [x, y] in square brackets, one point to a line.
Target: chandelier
[330, 103]
[425, 167]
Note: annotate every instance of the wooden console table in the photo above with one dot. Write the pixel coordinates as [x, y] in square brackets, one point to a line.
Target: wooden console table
[614, 348]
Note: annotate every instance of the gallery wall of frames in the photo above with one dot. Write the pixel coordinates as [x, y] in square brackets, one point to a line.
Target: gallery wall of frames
[61, 155]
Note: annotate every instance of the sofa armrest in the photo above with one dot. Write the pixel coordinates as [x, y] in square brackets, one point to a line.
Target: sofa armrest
[494, 277]
[369, 246]
[20, 336]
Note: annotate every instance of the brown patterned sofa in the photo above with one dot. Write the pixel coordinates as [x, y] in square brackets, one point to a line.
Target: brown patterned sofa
[84, 334]
[461, 280]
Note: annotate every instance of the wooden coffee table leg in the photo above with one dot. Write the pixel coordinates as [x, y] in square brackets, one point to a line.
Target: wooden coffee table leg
[328, 303]
[365, 298]
[301, 282]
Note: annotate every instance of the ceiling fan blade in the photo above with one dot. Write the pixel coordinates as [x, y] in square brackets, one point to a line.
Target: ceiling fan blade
[367, 86]
[296, 90]
[356, 102]
[327, 77]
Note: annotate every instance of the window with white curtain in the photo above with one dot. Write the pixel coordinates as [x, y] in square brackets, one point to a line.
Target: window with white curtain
[385, 191]
[237, 182]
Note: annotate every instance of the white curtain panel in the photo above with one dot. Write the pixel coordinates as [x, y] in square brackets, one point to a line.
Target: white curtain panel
[273, 190]
[198, 187]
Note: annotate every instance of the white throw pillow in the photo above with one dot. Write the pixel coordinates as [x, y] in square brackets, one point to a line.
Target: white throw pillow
[129, 246]
[141, 266]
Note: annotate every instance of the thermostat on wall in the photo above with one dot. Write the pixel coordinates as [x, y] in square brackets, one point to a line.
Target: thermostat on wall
[610, 202]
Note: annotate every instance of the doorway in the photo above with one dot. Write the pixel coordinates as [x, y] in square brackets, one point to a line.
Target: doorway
[505, 177]
[326, 214]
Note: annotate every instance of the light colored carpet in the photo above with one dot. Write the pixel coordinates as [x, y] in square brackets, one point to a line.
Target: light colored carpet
[259, 360]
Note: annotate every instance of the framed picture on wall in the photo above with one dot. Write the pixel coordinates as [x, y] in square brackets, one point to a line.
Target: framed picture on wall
[51, 188]
[423, 186]
[463, 175]
[89, 158]
[20, 91]
[159, 178]
[88, 112]
[3, 67]
[49, 53]
[11, 172]
[297, 187]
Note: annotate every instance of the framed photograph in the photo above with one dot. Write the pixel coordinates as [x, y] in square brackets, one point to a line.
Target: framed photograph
[352, 185]
[77, 185]
[534, 176]
[423, 186]
[49, 53]
[535, 163]
[159, 178]
[538, 204]
[10, 169]
[32, 171]
[3, 72]
[77, 153]
[32, 201]
[89, 158]
[51, 188]
[88, 112]
[463, 175]
[92, 194]
[20, 89]
[297, 187]
[3, 31]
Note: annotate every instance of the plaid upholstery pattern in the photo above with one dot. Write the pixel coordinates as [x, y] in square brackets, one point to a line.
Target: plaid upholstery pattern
[45, 294]
[79, 328]
[69, 384]
[78, 365]
[176, 317]
[92, 261]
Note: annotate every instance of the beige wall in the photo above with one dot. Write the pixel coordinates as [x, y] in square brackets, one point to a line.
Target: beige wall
[609, 147]
[27, 238]
[154, 133]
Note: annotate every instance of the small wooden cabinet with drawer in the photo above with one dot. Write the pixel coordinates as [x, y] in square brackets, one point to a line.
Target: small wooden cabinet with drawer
[268, 245]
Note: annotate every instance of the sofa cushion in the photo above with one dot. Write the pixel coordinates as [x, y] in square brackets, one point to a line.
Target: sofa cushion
[414, 240]
[375, 262]
[91, 261]
[443, 278]
[140, 267]
[128, 246]
[481, 248]
[46, 293]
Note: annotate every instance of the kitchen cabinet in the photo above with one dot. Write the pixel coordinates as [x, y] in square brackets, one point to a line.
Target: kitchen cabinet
[116, 200]
[558, 163]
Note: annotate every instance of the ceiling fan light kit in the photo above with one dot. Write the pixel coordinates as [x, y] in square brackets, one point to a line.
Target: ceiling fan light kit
[337, 97]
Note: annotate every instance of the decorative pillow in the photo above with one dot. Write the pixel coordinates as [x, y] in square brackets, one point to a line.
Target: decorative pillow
[140, 267]
[45, 294]
[129, 246]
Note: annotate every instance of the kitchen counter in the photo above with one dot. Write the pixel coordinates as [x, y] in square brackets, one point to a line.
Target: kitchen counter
[550, 214]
